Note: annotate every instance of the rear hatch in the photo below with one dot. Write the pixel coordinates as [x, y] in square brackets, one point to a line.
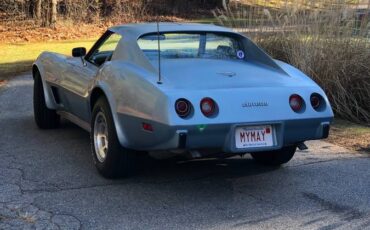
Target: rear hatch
[221, 74]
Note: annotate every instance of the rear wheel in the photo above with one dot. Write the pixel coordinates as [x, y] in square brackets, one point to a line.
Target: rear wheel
[45, 118]
[276, 157]
[110, 158]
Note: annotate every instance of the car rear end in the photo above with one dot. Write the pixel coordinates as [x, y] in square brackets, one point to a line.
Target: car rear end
[228, 95]
[237, 121]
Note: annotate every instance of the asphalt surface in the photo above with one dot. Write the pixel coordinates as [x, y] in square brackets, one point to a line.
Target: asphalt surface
[48, 181]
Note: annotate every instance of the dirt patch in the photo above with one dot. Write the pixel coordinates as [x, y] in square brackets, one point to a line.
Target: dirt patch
[350, 135]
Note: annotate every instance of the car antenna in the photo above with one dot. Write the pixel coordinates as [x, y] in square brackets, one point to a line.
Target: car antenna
[159, 56]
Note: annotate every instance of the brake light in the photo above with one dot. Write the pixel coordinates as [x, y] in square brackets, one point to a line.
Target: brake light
[208, 106]
[316, 101]
[183, 107]
[296, 102]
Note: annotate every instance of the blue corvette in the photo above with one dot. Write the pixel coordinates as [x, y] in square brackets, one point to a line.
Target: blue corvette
[179, 89]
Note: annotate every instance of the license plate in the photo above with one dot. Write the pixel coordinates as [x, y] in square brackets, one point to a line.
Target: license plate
[254, 136]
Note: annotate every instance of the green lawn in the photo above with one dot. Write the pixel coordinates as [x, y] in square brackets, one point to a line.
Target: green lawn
[17, 58]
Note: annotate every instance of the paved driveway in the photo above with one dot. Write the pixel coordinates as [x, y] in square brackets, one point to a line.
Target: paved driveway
[47, 180]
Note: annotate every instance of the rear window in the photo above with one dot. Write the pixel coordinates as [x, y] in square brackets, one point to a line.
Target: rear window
[192, 45]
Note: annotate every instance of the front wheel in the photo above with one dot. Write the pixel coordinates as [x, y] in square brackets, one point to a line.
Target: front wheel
[110, 158]
[276, 157]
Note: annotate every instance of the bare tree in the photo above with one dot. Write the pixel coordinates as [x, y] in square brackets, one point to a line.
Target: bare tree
[48, 13]
[37, 9]
[53, 13]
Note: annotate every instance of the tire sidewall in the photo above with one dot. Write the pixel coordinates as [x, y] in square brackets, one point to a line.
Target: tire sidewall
[106, 167]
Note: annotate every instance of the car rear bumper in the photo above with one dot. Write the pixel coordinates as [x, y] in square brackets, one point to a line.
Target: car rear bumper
[217, 136]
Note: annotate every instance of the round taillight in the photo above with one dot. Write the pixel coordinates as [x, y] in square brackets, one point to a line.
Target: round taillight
[316, 101]
[208, 106]
[183, 107]
[296, 102]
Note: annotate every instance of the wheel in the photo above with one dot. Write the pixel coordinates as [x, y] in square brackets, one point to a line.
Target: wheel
[276, 157]
[110, 158]
[45, 118]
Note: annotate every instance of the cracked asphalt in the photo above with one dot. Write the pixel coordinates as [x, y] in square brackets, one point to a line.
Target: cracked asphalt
[48, 181]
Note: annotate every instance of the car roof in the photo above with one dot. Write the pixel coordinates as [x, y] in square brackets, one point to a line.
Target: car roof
[139, 29]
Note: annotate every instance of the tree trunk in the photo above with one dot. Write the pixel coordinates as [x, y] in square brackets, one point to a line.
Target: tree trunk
[37, 9]
[53, 13]
[68, 8]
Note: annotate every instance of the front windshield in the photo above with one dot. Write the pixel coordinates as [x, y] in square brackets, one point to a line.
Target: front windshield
[192, 45]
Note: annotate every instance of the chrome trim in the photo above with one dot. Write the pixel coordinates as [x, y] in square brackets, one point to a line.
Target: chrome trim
[101, 136]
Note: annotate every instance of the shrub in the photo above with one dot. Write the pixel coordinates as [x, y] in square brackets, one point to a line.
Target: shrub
[326, 41]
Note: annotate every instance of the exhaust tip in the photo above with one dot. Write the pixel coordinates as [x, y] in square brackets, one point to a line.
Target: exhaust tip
[302, 146]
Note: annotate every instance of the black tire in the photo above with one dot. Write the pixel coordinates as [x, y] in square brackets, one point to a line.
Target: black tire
[275, 158]
[118, 161]
[45, 118]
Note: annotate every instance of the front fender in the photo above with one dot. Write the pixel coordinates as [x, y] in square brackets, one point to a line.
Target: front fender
[40, 65]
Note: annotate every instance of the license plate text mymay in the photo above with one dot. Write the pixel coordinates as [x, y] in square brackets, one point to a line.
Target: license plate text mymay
[253, 136]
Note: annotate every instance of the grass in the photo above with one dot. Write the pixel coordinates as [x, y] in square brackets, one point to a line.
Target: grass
[350, 135]
[17, 58]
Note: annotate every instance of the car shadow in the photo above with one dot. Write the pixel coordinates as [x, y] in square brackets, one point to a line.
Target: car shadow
[233, 167]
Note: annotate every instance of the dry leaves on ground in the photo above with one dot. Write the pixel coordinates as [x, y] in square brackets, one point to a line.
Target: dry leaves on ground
[351, 136]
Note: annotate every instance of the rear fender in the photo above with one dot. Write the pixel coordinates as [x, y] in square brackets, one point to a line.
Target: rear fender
[103, 86]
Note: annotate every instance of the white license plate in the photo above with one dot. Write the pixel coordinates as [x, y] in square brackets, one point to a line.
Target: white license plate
[254, 136]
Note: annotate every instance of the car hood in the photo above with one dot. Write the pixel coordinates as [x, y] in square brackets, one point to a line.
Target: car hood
[221, 74]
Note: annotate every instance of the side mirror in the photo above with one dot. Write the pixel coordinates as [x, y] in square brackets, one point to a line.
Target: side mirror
[79, 52]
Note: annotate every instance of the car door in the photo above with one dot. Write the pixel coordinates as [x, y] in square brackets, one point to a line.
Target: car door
[81, 74]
